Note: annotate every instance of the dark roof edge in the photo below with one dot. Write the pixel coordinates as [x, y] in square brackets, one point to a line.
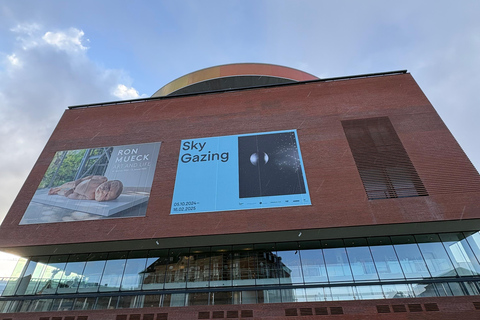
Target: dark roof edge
[366, 75]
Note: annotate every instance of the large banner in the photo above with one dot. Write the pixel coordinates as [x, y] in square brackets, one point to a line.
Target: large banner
[96, 183]
[249, 171]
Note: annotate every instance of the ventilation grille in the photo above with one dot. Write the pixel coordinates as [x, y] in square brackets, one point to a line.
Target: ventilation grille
[415, 307]
[247, 313]
[292, 312]
[162, 316]
[476, 305]
[232, 314]
[382, 162]
[383, 309]
[321, 311]
[306, 312]
[431, 307]
[204, 315]
[399, 308]
[218, 315]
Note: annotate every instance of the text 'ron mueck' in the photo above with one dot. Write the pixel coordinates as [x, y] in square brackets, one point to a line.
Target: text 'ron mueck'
[187, 157]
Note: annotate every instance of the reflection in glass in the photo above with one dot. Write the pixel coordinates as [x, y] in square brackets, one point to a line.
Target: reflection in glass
[114, 268]
[176, 274]
[72, 275]
[435, 256]
[134, 270]
[385, 258]
[336, 261]
[313, 264]
[270, 265]
[156, 267]
[460, 254]
[290, 268]
[52, 274]
[92, 273]
[244, 264]
[342, 293]
[106, 303]
[15, 278]
[393, 291]
[199, 267]
[32, 276]
[84, 303]
[369, 292]
[411, 259]
[361, 261]
[221, 265]
[269, 296]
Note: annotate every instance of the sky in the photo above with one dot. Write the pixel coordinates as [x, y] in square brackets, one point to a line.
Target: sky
[55, 54]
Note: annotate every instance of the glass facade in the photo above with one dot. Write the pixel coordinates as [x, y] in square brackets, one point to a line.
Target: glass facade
[425, 265]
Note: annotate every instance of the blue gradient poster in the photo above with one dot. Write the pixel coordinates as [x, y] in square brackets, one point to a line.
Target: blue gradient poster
[249, 171]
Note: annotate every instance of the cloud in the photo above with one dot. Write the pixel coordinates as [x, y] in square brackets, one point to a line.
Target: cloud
[70, 40]
[123, 92]
[44, 73]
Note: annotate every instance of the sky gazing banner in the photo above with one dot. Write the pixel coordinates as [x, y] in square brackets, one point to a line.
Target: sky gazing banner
[249, 171]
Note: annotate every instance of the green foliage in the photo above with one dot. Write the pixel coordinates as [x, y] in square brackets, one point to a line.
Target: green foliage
[63, 168]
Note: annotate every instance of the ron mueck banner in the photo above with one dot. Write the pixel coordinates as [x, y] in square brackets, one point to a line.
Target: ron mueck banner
[248, 171]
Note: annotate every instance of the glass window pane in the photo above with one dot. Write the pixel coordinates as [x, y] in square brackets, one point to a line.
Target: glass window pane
[361, 261]
[315, 294]
[313, 264]
[289, 266]
[125, 302]
[72, 275]
[114, 268]
[248, 297]
[32, 276]
[369, 292]
[460, 254]
[342, 293]
[177, 300]
[221, 266]
[134, 270]
[221, 298]
[93, 273]
[52, 274]
[385, 258]
[42, 305]
[393, 291]
[106, 303]
[336, 261]
[199, 268]
[156, 268]
[84, 303]
[269, 265]
[151, 301]
[176, 275]
[197, 298]
[411, 259]
[269, 296]
[435, 256]
[473, 239]
[244, 265]
[15, 278]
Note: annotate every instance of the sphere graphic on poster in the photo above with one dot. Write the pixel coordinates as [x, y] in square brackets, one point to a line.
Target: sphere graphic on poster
[259, 158]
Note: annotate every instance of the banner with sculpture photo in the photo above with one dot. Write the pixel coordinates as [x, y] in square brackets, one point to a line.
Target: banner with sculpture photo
[95, 183]
[249, 171]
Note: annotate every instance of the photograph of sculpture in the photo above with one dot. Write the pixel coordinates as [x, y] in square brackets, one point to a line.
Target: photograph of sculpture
[95, 183]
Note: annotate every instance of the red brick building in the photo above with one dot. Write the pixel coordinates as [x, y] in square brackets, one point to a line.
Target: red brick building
[355, 203]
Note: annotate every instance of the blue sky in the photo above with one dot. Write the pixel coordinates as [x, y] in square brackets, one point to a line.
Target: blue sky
[54, 54]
